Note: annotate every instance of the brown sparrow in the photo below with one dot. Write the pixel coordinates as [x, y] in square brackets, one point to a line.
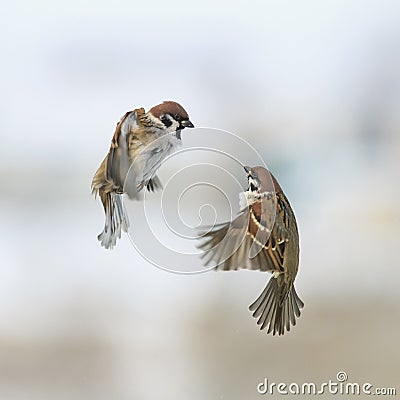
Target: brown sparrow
[142, 140]
[263, 237]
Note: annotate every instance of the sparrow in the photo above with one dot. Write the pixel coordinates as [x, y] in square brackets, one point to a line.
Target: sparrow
[141, 141]
[263, 237]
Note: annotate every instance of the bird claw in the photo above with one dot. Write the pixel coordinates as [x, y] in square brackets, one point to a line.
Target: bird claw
[141, 186]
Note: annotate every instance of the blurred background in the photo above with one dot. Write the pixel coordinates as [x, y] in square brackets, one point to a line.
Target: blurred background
[314, 86]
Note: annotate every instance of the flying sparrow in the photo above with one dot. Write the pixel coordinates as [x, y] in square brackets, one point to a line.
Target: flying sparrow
[142, 140]
[263, 237]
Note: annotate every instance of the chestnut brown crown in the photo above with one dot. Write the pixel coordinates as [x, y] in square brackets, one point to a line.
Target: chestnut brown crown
[169, 107]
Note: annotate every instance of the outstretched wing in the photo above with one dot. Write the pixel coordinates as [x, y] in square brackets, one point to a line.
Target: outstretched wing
[231, 246]
[223, 245]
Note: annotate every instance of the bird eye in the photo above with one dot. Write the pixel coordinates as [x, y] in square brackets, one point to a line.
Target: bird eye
[177, 117]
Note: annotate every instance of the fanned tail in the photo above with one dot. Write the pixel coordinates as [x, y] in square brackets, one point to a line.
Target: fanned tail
[116, 219]
[278, 306]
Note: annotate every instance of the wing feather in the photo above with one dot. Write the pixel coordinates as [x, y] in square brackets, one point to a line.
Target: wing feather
[118, 159]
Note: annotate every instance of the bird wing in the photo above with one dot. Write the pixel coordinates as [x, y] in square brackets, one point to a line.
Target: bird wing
[223, 240]
[118, 162]
[230, 246]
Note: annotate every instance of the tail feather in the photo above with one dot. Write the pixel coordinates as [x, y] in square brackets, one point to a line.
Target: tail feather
[116, 219]
[277, 306]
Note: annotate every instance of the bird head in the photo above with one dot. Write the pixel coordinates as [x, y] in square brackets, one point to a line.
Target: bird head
[261, 180]
[173, 117]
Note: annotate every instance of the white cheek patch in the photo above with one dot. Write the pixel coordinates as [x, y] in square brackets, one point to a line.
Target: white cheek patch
[173, 127]
[248, 198]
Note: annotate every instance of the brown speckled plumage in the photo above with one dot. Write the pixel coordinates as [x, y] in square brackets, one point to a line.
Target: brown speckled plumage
[140, 142]
[277, 243]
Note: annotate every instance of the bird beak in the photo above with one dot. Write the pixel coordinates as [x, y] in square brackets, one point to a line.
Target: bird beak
[187, 124]
[247, 169]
